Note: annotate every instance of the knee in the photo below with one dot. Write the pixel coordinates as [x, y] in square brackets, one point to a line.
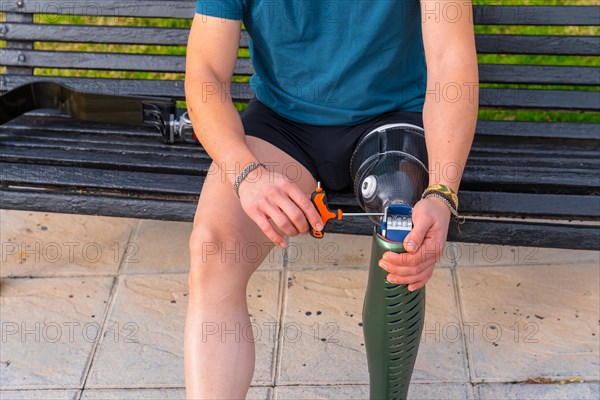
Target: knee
[217, 260]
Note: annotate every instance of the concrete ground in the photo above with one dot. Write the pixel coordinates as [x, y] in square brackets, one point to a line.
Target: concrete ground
[94, 307]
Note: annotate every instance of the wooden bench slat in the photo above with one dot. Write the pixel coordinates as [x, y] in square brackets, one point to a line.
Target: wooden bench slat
[110, 179]
[475, 230]
[523, 164]
[486, 43]
[565, 164]
[105, 61]
[490, 15]
[549, 205]
[489, 73]
[132, 8]
[94, 34]
[541, 99]
[539, 74]
[536, 15]
[509, 129]
[93, 60]
[538, 44]
[40, 143]
[523, 129]
[99, 34]
[475, 175]
[139, 162]
[241, 91]
[119, 87]
[472, 203]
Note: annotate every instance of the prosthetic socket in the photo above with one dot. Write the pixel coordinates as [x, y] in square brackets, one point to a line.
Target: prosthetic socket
[389, 171]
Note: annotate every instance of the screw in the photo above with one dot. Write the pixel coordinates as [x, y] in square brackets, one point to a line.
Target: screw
[22, 57]
[3, 30]
[20, 3]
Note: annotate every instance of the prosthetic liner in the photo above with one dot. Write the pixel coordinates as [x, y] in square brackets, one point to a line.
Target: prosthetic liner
[390, 173]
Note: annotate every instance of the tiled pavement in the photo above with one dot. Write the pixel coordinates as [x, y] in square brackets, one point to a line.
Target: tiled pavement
[93, 308]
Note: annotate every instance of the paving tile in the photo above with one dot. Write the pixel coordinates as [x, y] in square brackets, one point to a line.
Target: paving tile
[264, 303]
[531, 321]
[341, 250]
[448, 258]
[158, 247]
[442, 351]
[493, 255]
[255, 393]
[440, 391]
[39, 394]
[162, 247]
[49, 327]
[337, 392]
[333, 301]
[322, 341]
[334, 250]
[151, 310]
[432, 391]
[580, 391]
[49, 244]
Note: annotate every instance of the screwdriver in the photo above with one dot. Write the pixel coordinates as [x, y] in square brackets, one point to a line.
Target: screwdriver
[319, 199]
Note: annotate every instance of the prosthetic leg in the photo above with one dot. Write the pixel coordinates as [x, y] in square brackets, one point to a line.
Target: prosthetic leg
[157, 112]
[390, 173]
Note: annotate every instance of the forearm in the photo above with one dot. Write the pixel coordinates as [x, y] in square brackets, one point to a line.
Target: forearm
[217, 122]
[449, 117]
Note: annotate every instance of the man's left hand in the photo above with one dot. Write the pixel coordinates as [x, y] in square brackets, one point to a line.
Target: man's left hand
[424, 244]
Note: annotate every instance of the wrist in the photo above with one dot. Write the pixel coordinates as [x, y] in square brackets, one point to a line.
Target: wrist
[233, 163]
[250, 173]
[439, 203]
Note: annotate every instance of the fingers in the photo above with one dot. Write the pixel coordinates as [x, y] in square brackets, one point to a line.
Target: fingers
[415, 269]
[295, 216]
[284, 205]
[281, 219]
[412, 241]
[424, 273]
[306, 206]
[263, 223]
[430, 249]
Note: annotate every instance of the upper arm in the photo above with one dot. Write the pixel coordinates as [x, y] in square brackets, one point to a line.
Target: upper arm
[447, 32]
[213, 46]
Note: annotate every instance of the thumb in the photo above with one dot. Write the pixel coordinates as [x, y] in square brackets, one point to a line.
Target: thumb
[412, 242]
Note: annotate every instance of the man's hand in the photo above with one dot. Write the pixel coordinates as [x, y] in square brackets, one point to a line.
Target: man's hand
[425, 245]
[272, 201]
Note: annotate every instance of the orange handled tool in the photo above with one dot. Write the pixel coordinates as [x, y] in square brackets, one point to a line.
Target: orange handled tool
[320, 201]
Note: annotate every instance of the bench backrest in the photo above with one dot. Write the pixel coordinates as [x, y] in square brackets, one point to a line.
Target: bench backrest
[40, 34]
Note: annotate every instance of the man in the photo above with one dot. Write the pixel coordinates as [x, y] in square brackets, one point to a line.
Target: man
[326, 73]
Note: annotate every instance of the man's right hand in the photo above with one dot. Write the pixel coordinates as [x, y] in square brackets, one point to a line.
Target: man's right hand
[269, 196]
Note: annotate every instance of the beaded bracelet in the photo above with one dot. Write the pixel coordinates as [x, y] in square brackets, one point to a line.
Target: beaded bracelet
[244, 174]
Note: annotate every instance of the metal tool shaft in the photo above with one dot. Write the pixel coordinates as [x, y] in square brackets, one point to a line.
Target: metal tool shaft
[362, 215]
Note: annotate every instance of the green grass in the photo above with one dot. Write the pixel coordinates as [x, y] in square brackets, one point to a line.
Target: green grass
[520, 115]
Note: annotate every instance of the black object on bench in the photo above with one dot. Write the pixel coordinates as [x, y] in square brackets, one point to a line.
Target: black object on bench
[546, 172]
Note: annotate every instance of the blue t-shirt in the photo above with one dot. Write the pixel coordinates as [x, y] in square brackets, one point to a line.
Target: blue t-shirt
[332, 62]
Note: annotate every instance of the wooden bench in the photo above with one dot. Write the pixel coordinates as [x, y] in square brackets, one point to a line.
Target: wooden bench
[526, 183]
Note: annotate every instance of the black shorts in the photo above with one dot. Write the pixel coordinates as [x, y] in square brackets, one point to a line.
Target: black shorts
[324, 150]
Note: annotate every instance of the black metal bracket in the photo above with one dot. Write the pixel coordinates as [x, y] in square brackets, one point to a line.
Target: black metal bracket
[158, 112]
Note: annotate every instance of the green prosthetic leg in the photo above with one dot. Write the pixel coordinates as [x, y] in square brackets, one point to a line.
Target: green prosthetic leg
[392, 323]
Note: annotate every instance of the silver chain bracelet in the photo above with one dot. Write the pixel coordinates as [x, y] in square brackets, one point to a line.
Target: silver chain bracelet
[439, 196]
[244, 174]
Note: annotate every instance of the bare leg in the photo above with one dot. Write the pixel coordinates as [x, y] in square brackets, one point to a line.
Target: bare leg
[218, 366]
